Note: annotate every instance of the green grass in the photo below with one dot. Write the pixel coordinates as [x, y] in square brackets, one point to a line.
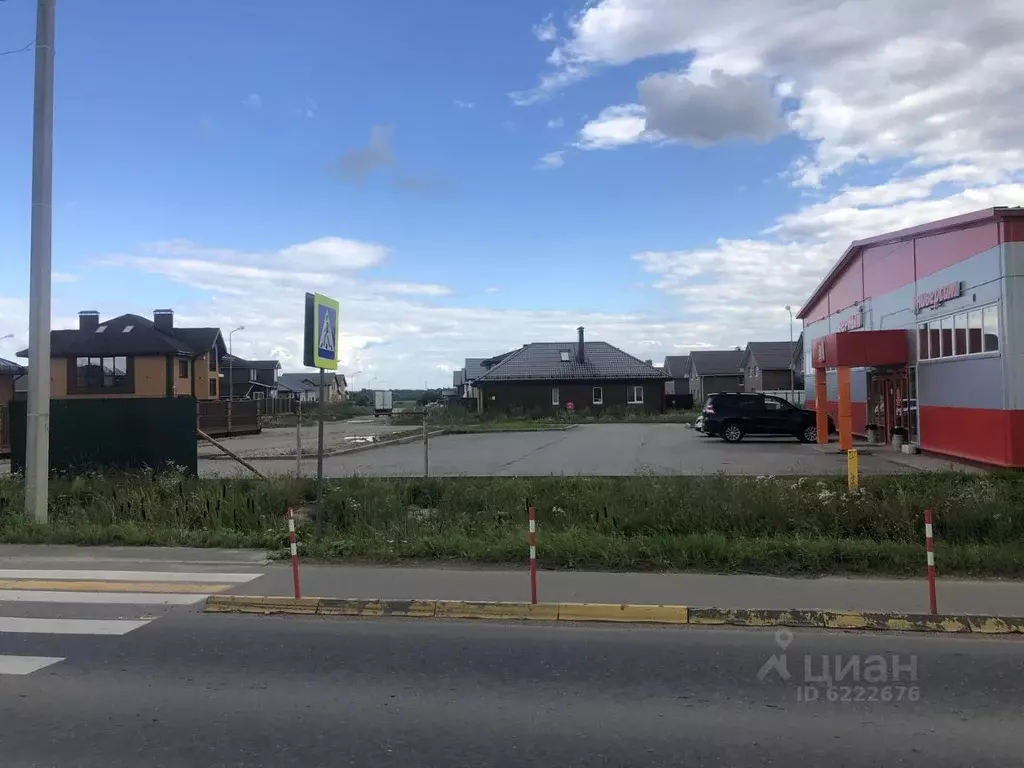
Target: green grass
[709, 523]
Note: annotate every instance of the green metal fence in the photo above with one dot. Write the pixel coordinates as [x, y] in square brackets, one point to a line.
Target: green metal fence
[106, 433]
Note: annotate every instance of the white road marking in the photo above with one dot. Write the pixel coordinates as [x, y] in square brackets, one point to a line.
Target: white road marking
[69, 626]
[25, 665]
[98, 598]
[209, 577]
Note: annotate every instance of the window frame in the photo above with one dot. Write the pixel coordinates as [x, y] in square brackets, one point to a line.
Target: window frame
[555, 396]
[631, 398]
[932, 344]
[213, 387]
[81, 382]
[597, 394]
[182, 368]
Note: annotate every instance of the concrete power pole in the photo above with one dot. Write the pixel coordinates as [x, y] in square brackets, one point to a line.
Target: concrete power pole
[37, 453]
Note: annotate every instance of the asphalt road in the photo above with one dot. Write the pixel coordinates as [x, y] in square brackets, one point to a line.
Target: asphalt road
[593, 449]
[194, 690]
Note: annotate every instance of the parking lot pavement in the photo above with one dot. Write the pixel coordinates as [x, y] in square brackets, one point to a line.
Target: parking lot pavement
[280, 441]
[598, 449]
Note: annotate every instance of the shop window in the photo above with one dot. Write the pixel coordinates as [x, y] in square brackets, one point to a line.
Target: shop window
[946, 325]
[990, 319]
[960, 334]
[974, 329]
[965, 333]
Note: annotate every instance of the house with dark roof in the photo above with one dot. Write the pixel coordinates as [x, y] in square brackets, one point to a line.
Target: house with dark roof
[768, 366]
[305, 387]
[249, 379]
[677, 368]
[583, 376]
[10, 372]
[715, 370]
[133, 356]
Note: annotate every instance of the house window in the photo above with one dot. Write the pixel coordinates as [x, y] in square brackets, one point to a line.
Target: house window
[213, 359]
[965, 333]
[554, 395]
[101, 373]
[183, 369]
[213, 387]
[635, 395]
[598, 396]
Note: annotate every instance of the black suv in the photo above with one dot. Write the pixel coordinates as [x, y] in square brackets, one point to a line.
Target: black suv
[731, 415]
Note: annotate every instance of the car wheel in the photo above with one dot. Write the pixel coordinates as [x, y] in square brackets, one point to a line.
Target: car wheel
[809, 434]
[732, 433]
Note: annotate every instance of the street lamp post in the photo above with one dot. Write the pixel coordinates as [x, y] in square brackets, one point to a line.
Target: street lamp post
[231, 372]
[792, 371]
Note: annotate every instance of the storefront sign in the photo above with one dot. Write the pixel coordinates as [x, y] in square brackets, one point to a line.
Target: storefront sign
[933, 299]
[818, 353]
[852, 323]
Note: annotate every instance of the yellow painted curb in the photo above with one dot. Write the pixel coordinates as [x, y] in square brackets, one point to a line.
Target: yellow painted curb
[261, 604]
[656, 614]
[459, 609]
[756, 618]
[622, 613]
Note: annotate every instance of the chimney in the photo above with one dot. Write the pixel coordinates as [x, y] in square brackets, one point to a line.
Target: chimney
[163, 319]
[89, 320]
[581, 356]
[650, 363]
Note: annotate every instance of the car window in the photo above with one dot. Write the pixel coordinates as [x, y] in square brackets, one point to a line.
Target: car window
[776, 404]
[751, 404]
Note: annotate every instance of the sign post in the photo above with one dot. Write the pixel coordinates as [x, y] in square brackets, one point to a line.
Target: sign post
[321, 352]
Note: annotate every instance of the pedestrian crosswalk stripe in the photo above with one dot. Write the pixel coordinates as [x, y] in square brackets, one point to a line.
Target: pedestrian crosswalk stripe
[99, 598]
[108, 586]
[70, 626]
[227, 578]
[25, 665]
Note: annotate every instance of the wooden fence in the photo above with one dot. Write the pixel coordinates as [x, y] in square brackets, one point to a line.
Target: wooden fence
[5, 431]
[214, 417]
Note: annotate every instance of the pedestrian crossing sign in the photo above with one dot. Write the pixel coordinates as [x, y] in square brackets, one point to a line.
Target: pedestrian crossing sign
[321, 332]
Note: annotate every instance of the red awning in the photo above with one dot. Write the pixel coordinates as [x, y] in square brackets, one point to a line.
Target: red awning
[860, 349]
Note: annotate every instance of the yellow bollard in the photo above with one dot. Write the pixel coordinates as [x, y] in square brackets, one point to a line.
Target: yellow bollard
[853, 469]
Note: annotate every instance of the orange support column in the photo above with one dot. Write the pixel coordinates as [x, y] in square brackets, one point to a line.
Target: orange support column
[845, 424]
[821, 405]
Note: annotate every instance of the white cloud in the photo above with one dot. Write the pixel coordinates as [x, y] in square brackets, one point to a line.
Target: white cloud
[551, 160]
[397, 331]
[545, 31]
[310, 108]
[464, 104]
[869, 81]
[253, 101]
[491, 289]
[64, 277]
[556, 122]
[615, 127]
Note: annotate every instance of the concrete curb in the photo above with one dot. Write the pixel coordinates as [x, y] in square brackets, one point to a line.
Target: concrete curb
[624, 613]
[415, 438]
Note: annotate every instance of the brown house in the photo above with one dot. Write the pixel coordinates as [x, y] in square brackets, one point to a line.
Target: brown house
[715, 370]
[768, 366]
[132, 356]
[584, 377]
[9, 373]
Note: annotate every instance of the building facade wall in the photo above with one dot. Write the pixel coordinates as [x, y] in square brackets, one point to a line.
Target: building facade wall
[966, 405]
[702, 386]
[537, 397]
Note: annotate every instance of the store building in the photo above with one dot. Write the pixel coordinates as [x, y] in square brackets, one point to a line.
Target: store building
[921, 330]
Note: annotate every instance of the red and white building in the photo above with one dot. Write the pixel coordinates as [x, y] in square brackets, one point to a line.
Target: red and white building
[918, 328]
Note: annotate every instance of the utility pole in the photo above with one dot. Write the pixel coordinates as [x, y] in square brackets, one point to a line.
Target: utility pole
[231, 372]
[37, 449]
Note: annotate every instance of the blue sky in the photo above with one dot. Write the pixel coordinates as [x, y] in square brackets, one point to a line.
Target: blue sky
[196, 133]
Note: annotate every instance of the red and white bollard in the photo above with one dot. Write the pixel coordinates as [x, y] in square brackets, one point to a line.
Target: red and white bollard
[929, 545]
[533, 556]
[295, 552]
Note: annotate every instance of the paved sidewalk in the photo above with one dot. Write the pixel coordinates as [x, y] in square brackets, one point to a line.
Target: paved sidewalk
[718, 591]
